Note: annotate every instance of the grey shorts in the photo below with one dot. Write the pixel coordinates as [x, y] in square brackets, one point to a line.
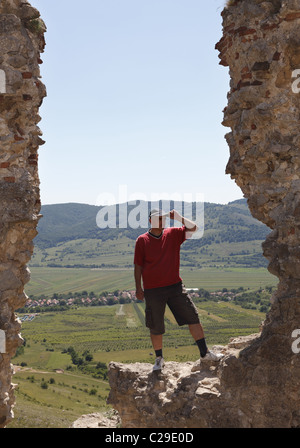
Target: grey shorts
[179, 302]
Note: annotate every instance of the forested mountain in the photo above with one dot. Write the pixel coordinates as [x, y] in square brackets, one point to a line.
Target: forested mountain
[230, 235]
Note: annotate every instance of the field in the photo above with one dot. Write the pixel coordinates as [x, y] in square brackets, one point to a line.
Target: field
[53, 392]
[62, 280]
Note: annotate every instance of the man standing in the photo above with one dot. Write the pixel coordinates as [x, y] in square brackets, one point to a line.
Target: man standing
[156, 264]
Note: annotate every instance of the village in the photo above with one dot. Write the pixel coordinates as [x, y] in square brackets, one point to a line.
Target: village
[117, 297]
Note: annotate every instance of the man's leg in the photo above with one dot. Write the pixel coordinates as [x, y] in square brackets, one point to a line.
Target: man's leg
[196, 331]
[155, 311]
[156, 340]
[184, 311]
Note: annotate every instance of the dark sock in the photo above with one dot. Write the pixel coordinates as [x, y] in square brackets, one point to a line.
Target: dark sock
[158, 353]
[202, 347]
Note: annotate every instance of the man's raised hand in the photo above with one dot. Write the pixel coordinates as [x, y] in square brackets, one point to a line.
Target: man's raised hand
[175, 215]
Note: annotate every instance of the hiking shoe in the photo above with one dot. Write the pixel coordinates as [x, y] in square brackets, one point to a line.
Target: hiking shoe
[159, 363]
[213, 357]
[210, 357]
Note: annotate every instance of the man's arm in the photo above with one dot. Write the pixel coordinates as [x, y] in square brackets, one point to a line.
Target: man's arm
[139, 293]
[190, 225]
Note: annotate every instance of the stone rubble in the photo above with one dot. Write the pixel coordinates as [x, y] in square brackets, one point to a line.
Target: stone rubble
[98, 420]
[182, 395]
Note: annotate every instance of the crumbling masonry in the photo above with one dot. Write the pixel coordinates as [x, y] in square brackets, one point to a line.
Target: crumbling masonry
[21, 94]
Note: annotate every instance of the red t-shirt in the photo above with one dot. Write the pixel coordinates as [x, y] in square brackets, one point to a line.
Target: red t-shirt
[160, 257]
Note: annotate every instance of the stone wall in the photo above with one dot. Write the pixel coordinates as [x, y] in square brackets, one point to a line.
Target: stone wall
[261, 46]
[21, 94]
[258, 386]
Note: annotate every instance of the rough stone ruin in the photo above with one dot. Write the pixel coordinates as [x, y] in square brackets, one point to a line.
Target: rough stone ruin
[257, 383]
[21, 94]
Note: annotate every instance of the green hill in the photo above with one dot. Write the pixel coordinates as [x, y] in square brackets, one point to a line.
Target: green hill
[69, 237]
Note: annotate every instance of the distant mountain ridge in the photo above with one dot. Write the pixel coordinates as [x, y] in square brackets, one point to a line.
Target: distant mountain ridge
[65, 222]
[231, 234]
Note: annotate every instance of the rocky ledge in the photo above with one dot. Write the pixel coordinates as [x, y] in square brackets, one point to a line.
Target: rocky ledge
[182, 395]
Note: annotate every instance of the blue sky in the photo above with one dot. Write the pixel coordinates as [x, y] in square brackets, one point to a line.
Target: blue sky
[135, 99]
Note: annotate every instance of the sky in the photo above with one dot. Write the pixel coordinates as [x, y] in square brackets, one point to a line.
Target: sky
[135, 95]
